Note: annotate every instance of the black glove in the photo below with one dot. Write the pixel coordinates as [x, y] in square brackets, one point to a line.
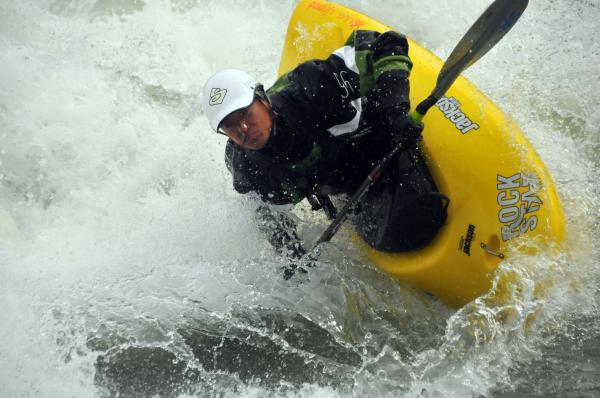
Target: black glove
[392, 104]
[405, 131]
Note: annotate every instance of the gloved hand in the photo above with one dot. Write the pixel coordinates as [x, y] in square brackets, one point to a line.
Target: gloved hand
[404, 130]
[298, 265]
[392, 105]
[291, 270]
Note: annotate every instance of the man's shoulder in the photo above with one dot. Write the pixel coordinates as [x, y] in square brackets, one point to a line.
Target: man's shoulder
[240, 161]
[242, 169]
[234, 157]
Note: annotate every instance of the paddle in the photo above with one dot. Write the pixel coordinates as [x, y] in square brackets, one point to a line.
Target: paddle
[491, 26]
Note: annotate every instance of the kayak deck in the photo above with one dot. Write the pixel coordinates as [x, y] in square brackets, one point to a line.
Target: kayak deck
[500, 190]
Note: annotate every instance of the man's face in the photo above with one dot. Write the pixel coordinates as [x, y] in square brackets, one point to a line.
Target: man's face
[250, 127]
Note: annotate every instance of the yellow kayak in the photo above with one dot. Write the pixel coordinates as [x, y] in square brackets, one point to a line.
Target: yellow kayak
[500, 191]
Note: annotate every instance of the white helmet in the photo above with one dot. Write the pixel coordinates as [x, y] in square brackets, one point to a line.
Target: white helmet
[226, 92]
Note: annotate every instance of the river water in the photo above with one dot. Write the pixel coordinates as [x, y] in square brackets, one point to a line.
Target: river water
[130, 268]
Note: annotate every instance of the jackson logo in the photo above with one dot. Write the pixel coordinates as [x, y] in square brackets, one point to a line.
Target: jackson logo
[465, 241]
[217, 95]
[450, 107]
[519, 202]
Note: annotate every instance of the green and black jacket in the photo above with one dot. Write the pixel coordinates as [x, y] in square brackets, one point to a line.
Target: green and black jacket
[331, 121]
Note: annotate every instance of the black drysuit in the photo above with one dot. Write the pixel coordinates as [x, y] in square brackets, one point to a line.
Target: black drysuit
[333, 120]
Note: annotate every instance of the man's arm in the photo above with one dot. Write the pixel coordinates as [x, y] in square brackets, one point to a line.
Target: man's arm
[276, 226]
[327, 93]
[384, 67]
[280, 230]
[391, 70]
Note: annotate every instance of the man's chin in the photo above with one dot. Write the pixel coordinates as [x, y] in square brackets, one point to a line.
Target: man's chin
[252, 145]
[258, 147]
[258, 144]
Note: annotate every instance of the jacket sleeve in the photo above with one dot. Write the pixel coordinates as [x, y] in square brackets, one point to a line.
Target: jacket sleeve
[391, 70]
[385, 69]
[280, 230]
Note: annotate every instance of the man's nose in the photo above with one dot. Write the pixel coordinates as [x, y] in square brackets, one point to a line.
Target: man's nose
[243, 127]
[243, 131]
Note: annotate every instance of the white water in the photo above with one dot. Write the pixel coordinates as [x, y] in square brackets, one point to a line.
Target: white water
[131, 230]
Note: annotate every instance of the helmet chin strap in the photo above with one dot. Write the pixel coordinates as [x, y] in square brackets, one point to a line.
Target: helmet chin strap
[260, 93]
[244, 139]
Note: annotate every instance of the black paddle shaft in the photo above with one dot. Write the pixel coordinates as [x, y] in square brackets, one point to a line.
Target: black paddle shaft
[360, 193]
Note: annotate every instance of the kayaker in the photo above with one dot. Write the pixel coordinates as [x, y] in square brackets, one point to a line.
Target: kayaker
[319, 130]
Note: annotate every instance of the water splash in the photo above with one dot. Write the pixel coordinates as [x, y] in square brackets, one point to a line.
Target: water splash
[143, 273]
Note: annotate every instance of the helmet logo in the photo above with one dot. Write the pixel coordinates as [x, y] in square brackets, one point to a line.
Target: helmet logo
[217, 95]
